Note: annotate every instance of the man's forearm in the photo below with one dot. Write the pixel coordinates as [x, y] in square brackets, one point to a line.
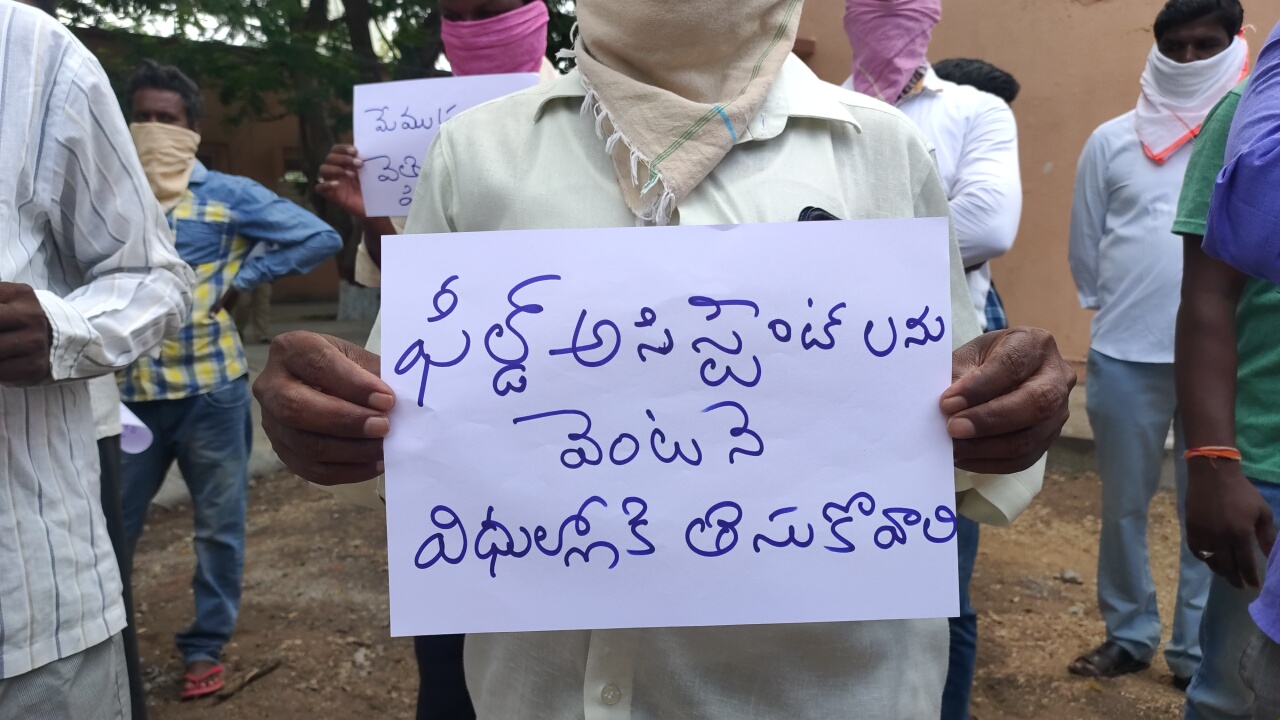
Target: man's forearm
[1226, 517]
[1205, 367]
[1205, 364]
[104, 326]
[374, 229]
[284, 261]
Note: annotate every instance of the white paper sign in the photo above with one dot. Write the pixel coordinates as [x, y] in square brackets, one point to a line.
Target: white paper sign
[135, 436]
[394, 123]
[654, 427]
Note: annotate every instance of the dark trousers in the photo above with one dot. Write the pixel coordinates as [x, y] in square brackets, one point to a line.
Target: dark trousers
[109, 457]
[442, 684]
[964, 630]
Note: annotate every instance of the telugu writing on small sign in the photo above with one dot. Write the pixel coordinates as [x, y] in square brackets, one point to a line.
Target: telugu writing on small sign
[394, 123]
[657, 427]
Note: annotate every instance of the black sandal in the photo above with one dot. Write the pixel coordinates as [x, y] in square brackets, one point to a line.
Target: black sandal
[1108, 660]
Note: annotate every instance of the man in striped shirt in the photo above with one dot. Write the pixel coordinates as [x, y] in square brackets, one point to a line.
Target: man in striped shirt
[89, 282]
[194, 395]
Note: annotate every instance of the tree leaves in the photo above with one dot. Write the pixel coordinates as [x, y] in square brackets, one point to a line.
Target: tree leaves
[271, 58]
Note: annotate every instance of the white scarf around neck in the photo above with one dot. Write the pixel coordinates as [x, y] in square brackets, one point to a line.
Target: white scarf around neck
[1176, 97]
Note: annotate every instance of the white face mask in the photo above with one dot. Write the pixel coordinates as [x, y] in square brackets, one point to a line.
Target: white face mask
[1177, 97]
[168, 155]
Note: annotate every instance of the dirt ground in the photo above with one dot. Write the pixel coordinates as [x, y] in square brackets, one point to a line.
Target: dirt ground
[314, 615]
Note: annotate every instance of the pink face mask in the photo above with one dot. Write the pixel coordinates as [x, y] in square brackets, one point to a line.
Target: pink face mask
[512, 42]
[890, 39]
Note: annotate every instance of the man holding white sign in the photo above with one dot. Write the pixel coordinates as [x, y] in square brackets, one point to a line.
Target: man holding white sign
[481, 37]
[735, 132]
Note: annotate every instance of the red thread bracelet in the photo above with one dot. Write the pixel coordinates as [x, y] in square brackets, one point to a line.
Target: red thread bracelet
[1213, 452]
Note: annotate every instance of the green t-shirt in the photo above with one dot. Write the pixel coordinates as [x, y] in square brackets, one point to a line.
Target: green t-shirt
[1257, 315]
[1258, 380]
[1207, 159]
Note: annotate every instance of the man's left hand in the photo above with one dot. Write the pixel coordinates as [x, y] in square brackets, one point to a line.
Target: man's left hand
[226, 302]
[24, 336]
[1008, 400]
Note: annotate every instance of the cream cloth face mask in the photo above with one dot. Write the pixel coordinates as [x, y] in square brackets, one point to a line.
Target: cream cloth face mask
[168, 155]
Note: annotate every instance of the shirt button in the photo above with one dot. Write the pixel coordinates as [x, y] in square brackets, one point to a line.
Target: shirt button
[610, 694]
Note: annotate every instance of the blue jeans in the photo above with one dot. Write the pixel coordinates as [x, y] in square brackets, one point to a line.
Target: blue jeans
[964, 630]
[1131, 406]
[210, 436]
[1261, 670]
[1218, 692]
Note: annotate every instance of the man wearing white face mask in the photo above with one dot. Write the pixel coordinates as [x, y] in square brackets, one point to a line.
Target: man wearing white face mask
[1127, 265]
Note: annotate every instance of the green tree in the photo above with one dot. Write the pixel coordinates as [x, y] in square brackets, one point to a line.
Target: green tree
[268, 58]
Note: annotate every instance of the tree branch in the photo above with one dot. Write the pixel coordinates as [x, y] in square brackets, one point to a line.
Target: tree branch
[317, 15]
[357, 18]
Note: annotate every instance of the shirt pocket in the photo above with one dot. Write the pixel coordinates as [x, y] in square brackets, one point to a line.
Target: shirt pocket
[200, 242]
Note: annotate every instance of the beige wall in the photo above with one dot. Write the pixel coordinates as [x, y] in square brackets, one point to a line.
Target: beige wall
[1079, 63]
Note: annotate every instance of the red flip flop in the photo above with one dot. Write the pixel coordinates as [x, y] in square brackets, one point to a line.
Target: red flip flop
[206, 683]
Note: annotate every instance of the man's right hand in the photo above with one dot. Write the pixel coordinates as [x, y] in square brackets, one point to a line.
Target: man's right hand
[324, 407]
[1227, 520]
[24, 336]
[340, 180]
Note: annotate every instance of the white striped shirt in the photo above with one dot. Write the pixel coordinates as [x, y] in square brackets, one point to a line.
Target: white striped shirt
[78, 223]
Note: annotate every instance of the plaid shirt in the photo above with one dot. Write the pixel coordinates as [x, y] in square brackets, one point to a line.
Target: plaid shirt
[217, 225]
[996, 319]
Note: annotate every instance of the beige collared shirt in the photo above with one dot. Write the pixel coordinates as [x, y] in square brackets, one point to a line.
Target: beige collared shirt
[532, 160]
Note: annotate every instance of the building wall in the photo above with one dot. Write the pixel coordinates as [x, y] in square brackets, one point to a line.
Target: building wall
[1078, 62]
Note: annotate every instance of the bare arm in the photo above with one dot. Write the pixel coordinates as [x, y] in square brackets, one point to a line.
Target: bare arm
[374, 229]
[1206, 347]
[1225, 513]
